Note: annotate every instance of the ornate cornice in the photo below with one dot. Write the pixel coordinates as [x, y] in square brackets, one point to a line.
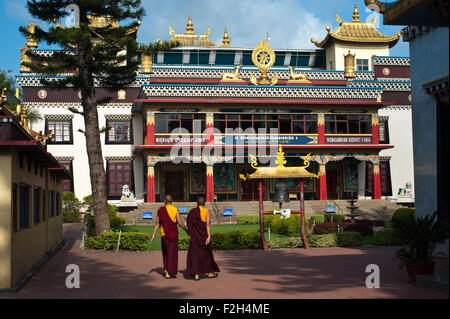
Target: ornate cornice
[119, 158]
[239, 91]
[118, 117]
[397, 107]
[74, 104]
[58, 117]
[391, 60]
[63, 159]
[403, 86]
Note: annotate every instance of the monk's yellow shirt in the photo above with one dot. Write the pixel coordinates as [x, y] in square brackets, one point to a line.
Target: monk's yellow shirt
[203, 213]
[172, 211]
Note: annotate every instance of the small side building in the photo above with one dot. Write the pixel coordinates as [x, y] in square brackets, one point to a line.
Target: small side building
[30, 197]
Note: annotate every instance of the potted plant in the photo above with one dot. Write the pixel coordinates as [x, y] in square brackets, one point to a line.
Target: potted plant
[420, 234]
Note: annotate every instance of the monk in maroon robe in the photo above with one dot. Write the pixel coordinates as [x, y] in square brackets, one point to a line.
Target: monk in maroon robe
[200, 258]
[168, 220]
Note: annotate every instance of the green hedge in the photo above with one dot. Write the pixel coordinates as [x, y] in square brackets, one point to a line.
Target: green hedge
[285, 242]
[234, 240]
[323, 241]
[128, 241]
[248, 220]
[386, 237]
[402, 214]
[349, 239]
[115, 221]
[290, 226]
[317, 218]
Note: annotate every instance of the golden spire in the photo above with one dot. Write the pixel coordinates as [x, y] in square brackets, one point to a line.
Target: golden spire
[190, 26]
[31, 41]
[280, 157]
[226, 39]
[355, 14]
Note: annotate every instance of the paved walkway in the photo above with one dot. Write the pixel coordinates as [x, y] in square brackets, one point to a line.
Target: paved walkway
[290, 273]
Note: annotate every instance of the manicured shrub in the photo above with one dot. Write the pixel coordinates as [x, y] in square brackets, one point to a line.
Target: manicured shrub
[386, 237]
[348, 239]
[334, 218]
[116, 221]
[128, 241]
[235, 240]
[325, 228]
[402, 214]
[248, 220]
[289, 226]
[317, 218]
[323, 241]
[286, 242]
[267, 221]
[364, 229]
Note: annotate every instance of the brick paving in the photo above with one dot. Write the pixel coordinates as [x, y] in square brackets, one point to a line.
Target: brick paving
[288, 273]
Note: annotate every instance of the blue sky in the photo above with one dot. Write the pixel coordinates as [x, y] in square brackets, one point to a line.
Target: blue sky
[290, 23]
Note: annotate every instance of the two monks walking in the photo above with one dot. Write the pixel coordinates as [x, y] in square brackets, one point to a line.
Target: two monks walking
[200, 258]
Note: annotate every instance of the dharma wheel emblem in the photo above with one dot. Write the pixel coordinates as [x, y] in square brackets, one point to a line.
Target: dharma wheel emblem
[263, 57]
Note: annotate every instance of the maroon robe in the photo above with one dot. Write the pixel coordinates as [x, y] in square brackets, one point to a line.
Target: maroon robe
[200, 258]
[169, 242]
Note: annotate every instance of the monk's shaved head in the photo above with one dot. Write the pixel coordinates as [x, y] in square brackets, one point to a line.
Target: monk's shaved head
[168, 199]
[201, 201]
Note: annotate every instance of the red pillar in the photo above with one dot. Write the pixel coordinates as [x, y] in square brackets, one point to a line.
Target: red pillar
[322, 182]
[150, 184]
[375, 130]
[261, 216]
[209, 183]
[376, 191]
[302, 213]
[321, 128]
[150, 129]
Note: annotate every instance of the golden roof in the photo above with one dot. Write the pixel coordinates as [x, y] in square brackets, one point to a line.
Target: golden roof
[357, 31]
[279, 171]
[190, 38]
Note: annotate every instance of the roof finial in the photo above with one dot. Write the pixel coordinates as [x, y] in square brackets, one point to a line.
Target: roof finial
[355, 14]
[190, 26]
[226, 39]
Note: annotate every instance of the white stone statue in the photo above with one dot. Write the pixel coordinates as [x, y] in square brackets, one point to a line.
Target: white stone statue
[127, 195]
[405, 192]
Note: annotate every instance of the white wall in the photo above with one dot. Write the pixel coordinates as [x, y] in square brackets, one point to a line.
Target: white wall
[400, 136]
[77, 150]
[337, 51]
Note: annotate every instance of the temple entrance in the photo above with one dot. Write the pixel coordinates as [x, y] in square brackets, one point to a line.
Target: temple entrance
[174, 185]
[250, 191]
[333, 180]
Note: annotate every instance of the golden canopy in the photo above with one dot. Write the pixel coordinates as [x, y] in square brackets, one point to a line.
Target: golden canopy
[279, 171]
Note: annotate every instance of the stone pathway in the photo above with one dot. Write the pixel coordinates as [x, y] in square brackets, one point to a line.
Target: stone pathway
[289, 273]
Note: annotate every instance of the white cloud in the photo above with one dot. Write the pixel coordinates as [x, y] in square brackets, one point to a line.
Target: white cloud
[248, 21]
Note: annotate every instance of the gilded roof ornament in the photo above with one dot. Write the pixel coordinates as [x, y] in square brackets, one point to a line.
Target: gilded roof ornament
[356, 32]
[190, 38]
[226, 39]
[263, 58]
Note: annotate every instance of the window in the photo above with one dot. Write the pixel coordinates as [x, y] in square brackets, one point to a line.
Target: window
[52, 203]
[167, 123]
[44, 203]
[67, 184]
[362, 65]
[385, 178]
[62, 130]
[36, 205]
[283, 123]
[383, 129]
[348, 124]
[119, 174]
[120, 132]
[58, 203]
[24, 206]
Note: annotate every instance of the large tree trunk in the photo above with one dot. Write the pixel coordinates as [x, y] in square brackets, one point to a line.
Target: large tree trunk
[96, 168]
[93, 147]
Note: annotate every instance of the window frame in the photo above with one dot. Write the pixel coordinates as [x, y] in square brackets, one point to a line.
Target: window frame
[36, 205]
[68, 166]
[362, 66]
[336, 121]
[24, 204]
[47, 129]
[130, 135]
[118, 193]
[166, 120]
[385, 124]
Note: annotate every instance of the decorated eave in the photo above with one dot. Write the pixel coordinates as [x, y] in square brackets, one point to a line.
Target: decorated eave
[279, 171]
[15, 134]
[356, 32]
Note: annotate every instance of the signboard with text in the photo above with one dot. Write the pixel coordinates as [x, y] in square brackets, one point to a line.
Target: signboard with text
[348, 139]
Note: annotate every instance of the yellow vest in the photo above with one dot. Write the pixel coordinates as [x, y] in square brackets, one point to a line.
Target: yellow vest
[203, 213]
[172, 211]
